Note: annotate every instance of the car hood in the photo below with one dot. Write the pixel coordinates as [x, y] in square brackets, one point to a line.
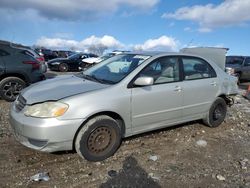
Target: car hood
[58, 88]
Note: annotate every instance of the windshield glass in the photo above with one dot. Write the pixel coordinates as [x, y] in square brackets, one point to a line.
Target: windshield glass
[114, 69]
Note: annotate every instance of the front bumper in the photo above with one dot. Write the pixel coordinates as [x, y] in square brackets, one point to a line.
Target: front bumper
[44, 134]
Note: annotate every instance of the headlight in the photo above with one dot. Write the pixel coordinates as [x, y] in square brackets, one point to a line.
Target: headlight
[46, 109]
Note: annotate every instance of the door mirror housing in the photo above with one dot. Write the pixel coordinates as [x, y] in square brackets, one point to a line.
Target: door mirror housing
[144, 81]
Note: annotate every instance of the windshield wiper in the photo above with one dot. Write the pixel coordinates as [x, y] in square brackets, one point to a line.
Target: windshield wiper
[94, 78]
[107, 81]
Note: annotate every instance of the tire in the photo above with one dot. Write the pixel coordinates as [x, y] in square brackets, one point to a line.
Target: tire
[98, 139]
[10, 88]
[217, 113]
[63, 67]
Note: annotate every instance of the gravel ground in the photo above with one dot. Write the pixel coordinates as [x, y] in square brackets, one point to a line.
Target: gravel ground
[188, 155]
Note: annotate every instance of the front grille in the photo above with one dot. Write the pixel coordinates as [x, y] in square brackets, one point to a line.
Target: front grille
[20, 103]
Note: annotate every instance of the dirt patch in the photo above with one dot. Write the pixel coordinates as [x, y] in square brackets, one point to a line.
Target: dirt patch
[188, 155]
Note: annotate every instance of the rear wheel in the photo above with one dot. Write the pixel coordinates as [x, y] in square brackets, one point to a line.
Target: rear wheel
[98, 139]
[10, 88]
[217, 113]
[63, 67]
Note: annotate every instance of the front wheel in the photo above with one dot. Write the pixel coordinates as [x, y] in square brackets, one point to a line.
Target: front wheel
[10, 88]
[217, 113]
[98, 139]
[63, 67]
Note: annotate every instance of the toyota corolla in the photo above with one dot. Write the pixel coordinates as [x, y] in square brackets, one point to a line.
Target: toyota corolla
[124, 95]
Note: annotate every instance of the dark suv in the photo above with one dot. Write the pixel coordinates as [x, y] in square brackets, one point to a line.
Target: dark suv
[17, 70]
[238, 66]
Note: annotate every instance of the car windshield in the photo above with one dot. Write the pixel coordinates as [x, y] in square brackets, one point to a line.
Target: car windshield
[114, 69]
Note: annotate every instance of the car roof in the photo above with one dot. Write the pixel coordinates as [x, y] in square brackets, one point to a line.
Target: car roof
[160, 53]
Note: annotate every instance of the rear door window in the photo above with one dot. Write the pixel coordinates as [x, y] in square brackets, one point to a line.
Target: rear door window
[196, 68]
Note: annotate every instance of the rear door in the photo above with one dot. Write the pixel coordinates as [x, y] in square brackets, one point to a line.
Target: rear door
[200, 87]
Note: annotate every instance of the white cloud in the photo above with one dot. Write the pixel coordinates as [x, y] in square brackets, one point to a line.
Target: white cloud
[210, 16]
[74, 9]
[162, 43]
[99, 44]
[92, 44]
[56, 43]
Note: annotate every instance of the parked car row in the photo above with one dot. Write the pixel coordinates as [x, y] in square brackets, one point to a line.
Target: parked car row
[78, 61]
[52, 54]
[20, 66]
[71, 63]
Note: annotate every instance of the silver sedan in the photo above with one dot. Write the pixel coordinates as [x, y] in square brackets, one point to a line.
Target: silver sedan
[122, 96]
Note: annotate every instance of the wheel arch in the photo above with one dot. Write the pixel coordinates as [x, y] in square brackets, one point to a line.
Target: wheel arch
[111, 114]
[21, 76]
[226, 99]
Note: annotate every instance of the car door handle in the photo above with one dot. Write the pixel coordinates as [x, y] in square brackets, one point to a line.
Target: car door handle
[178, 89]
[213, 83]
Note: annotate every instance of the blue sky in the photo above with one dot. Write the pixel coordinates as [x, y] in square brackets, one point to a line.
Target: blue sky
[127, 24]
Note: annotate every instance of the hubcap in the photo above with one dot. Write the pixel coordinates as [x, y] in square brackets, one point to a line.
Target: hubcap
[63, 67]
[12, 89]
[101, 139]
[218, 112]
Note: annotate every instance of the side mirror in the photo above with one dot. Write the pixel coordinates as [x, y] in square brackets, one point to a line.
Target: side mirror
[144, 81]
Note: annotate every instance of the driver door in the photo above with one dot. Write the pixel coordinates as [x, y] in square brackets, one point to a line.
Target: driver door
[160, 104]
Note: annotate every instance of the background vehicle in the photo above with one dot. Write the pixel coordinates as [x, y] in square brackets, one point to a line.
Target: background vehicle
[18, 68]
[125, 95]
[64, 53]
[88, 62]
[47, 53]
[72, 63]
[38, 57]
[238, 66]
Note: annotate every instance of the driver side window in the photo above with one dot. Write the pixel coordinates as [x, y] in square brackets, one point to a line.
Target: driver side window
[163, 70]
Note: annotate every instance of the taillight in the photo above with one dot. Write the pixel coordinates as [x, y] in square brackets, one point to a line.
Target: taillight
[35, 65]
[41, 59]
